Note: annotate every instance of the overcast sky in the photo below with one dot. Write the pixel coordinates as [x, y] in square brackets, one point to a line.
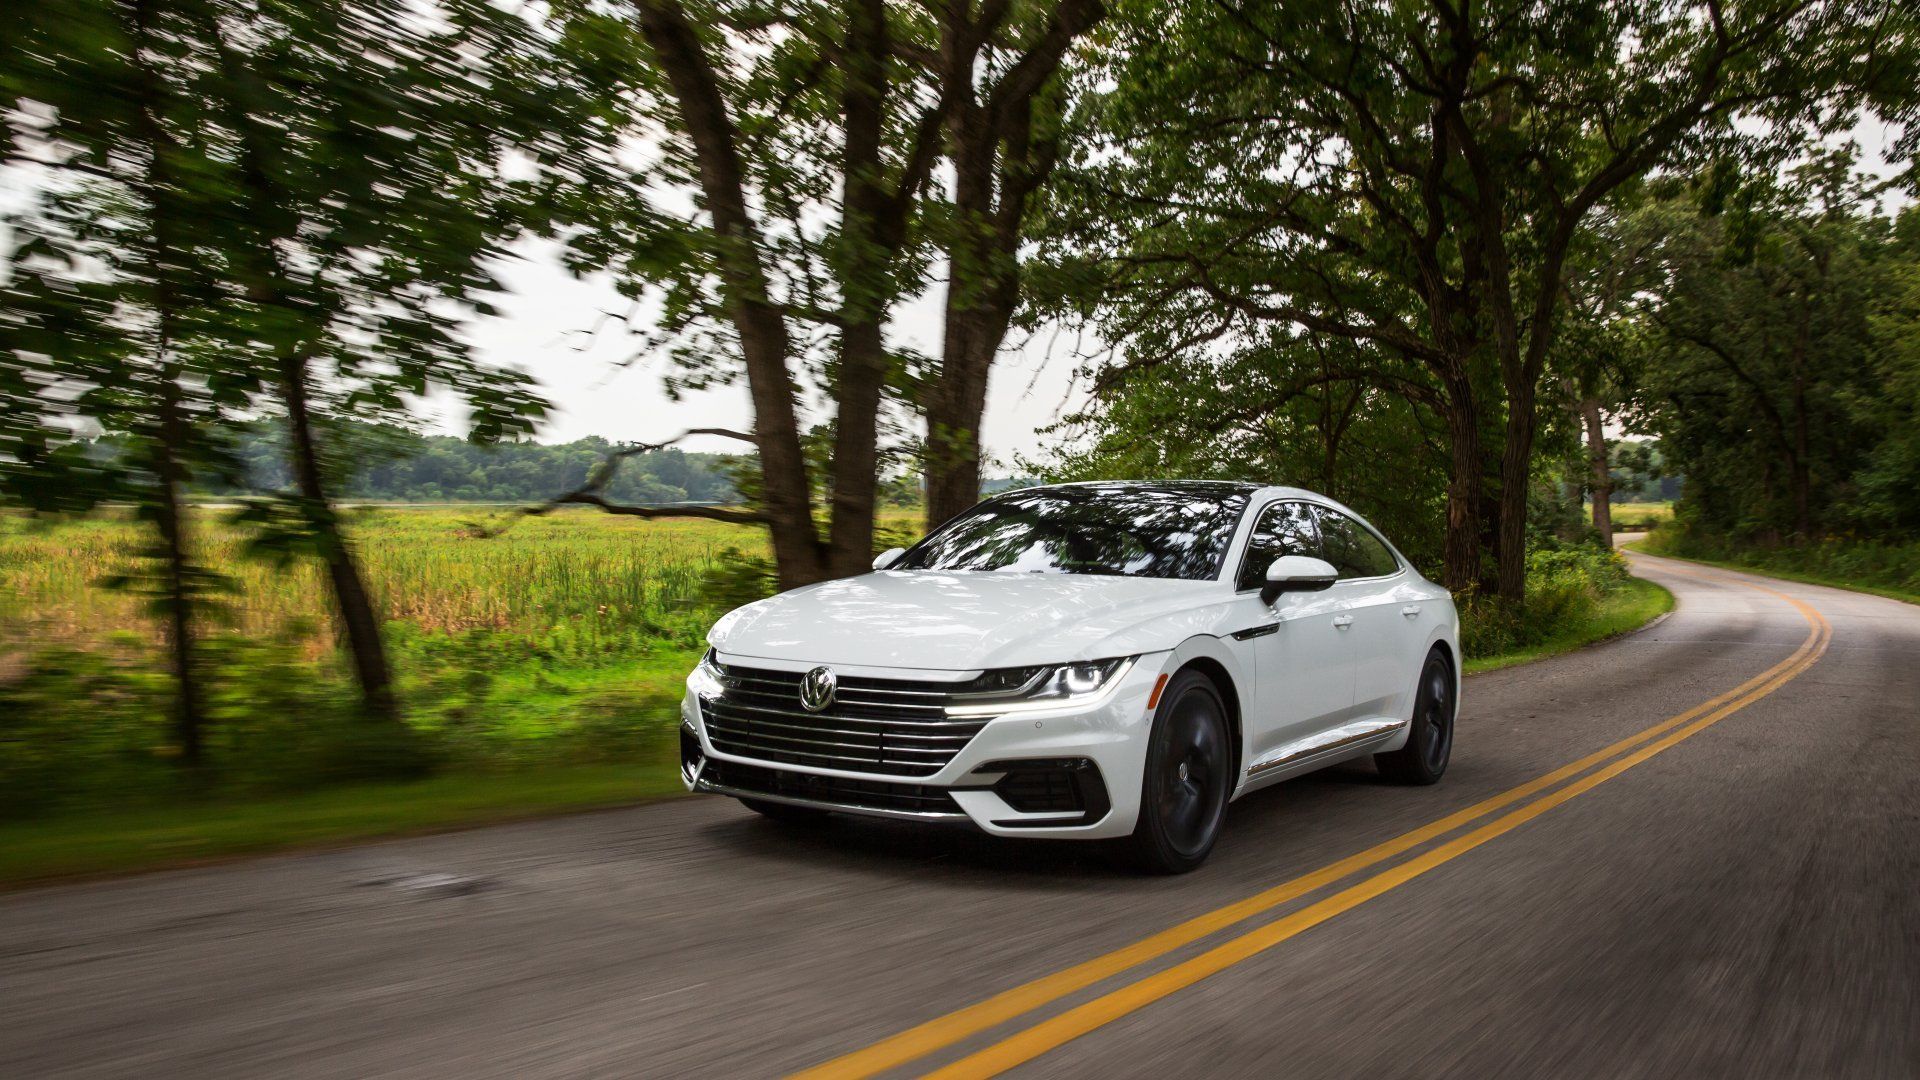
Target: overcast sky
[552, 327]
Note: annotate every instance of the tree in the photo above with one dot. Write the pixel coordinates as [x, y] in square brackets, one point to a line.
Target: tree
[1763, 347]
[806, 140]
[103, 317]
[1004, 143]
[331, 180]
[1615, 264]
[1413, 179]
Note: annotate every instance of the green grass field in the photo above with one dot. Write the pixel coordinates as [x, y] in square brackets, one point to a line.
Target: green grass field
[563, 641]
[1633, 517]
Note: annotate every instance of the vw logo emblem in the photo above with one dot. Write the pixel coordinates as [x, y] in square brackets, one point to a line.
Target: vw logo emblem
[817, 688]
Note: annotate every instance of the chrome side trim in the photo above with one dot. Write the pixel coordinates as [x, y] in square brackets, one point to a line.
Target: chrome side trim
[706, 785]
[1341, 739]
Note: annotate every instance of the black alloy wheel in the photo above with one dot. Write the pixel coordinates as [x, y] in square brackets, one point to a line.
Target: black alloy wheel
[1189, 774]
[1430, 742]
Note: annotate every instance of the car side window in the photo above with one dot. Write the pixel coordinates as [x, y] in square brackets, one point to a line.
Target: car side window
[1353, 551]
[1285, 528]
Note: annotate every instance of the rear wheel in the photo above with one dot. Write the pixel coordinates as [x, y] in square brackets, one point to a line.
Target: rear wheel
[1183, 797]
[1430, 740]
[779, 811]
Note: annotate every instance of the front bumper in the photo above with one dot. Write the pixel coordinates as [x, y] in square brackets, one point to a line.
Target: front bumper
[1072, 772]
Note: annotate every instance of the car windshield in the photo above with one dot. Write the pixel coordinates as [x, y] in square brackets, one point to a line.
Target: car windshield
[1163, 531]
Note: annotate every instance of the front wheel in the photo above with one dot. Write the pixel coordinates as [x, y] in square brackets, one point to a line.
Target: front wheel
[1183, 797]
[1430, 740]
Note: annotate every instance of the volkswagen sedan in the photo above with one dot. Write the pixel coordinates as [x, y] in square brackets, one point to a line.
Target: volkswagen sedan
[1102, 661]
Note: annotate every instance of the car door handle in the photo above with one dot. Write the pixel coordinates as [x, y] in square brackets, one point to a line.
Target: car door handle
[1342, 621]
[1410, 610]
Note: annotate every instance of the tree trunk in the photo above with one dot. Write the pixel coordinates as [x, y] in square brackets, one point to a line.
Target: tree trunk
[1516, 475]
[1802, 475]
[955, 412]
[361, 625]
[765, 344]
[170, 521]
[1602, 484]
[366, 643]
[170, 434]
[1462, 555]
[863, 361]
[866, 248]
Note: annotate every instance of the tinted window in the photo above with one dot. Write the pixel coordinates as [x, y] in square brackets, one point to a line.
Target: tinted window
[1283, 529]
[1353, 551]
[1175, 531]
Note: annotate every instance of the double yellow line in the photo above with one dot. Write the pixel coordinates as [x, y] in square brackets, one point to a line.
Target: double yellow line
[1033, 1041]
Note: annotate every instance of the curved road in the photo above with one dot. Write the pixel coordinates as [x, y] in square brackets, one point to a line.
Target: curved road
[1690, 852]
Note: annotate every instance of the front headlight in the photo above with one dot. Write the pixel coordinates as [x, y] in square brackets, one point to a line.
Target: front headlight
[1031, 689]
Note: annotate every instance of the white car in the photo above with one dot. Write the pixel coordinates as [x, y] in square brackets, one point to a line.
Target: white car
[1102, 661]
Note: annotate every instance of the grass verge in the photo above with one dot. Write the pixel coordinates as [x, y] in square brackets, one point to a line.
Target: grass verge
[1785, 573]
[1625, 609]
[90, 845]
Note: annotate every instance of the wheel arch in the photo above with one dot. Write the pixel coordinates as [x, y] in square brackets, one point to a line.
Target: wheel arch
[1444, 645]
[1210, 658]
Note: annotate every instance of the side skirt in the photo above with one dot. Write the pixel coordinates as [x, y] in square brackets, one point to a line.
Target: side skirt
[1321, 749]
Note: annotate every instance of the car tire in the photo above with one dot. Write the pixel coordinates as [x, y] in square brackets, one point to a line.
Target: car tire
[1188, 777]
[785, 812]
[1430, 738]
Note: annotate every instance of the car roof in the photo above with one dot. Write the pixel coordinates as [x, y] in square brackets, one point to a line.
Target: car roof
[1241, 487]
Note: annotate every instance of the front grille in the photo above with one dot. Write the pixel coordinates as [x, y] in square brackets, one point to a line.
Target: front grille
[841, 791]
[893, 726]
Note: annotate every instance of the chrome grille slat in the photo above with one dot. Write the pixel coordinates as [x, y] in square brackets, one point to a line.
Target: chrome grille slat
[890, 727]
[897, 722]
[878, 748]
[755, 746]
[962, 736]
[765, 695]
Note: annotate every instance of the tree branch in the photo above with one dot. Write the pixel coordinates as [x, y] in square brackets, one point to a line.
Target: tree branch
[590, 492]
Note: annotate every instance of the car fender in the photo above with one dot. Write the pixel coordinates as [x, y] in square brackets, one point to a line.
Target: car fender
[1213, 648]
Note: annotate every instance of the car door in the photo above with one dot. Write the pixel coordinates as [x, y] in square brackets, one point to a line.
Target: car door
[1369, 582]
[1302, 668]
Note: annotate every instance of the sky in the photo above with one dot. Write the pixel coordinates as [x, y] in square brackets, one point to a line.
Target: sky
[552, 327]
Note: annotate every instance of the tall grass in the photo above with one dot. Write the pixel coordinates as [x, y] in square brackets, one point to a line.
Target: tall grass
[426, 567]
[563, 638]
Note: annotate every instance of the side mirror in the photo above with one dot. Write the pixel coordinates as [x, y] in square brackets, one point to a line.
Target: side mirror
[888, 558]
[1297, 573]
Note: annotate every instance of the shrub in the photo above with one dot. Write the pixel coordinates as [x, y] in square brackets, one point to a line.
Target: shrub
[1565, 586]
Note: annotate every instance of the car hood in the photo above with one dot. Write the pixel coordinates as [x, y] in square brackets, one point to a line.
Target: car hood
[959, 621]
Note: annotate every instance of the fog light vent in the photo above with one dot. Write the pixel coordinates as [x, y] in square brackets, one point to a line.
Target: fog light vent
[691, 756]
[1050, 786]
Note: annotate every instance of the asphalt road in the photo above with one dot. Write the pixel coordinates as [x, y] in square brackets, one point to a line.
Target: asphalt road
[1737, 895]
